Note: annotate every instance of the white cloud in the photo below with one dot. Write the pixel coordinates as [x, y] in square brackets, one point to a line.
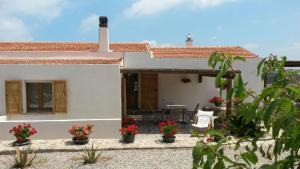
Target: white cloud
[209, 3]
[89, 23]
[13, 14]
[150, 7]
[14, 29]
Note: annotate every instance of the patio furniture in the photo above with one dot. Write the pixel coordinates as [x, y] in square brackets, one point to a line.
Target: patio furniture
[192, 115]
[173, 108]
[216, 110]
[205, 120]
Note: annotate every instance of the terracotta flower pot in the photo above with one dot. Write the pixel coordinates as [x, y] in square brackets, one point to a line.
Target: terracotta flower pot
[21, 141]
[169, 139]
[128, 138]
[80, 140]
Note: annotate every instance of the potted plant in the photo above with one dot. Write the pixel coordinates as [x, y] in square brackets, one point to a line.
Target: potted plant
[168, 129]
[129, 121]
[217, 101]
[128, 133]
[22, 134]
[81, 133]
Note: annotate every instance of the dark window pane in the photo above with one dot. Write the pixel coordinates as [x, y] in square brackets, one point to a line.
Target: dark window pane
[39, 97]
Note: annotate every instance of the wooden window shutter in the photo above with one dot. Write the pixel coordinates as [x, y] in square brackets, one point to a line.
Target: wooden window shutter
[60, 96]
[13, 93]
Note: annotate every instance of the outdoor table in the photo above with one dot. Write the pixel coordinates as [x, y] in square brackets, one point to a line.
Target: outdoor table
[175, 108]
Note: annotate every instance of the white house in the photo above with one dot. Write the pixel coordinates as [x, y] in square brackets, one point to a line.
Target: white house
[53, 85]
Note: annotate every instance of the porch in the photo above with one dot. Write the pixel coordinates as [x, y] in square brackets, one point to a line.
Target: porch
[146, 92]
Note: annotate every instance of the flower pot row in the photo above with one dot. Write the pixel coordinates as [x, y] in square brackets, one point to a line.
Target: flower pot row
[168, 129]
[81, 133]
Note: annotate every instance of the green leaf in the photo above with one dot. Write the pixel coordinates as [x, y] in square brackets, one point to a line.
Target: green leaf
[276, 128]
[259, 66]
[294, 89]
[267, 166]
[267, 92]
[215, 133]
[238, 86]
[267, 114]
[249, 157]
[254, 145]
[238, 58]
[268, 153]
[219, 165]
[262, 152]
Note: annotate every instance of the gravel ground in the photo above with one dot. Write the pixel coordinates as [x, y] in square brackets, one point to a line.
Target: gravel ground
[118, 159]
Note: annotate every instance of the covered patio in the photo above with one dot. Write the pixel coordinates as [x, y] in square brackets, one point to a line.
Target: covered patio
[140, 96]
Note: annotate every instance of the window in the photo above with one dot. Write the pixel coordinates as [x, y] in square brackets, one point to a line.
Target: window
[39, 97]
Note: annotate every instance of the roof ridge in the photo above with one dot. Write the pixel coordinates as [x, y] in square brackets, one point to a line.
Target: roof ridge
[195, 47]
[254, 54]
[70, 42]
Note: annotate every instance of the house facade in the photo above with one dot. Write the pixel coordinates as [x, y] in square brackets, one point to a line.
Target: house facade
[53, 85]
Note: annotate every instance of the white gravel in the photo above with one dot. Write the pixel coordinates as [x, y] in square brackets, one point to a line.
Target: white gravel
[117, 159]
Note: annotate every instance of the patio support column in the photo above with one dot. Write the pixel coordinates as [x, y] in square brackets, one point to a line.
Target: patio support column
[228, 102]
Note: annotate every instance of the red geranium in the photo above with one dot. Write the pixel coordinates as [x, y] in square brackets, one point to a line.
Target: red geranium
[23, 131]
[81, 131]
[130, 130]
[129, 121]
[216, 99]
[168, 128]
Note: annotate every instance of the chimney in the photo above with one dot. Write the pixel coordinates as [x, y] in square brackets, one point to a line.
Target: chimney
[189, 41]
[103, 34]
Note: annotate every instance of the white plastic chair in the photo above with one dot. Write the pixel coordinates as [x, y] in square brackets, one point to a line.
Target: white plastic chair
[205, 119]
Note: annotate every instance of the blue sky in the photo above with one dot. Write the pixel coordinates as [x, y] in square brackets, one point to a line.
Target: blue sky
[261, 26]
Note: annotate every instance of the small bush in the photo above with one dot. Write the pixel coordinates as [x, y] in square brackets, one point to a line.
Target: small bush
[239, 127]
[23, 158]
[90, 155]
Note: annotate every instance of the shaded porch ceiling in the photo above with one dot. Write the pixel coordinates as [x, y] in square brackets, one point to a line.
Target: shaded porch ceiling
[200, 72]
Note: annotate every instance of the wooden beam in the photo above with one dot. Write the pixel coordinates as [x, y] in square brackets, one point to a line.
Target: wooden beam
[202, 72]
[292, 63]
[228, 102]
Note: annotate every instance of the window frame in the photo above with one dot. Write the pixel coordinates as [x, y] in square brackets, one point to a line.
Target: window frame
[25, 96]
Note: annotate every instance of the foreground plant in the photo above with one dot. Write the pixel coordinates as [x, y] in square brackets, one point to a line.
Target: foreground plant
[128, 133]
[23, 157]
[276, 107]
[81, 133]
[169, 130]
[128, 121]
[22, 133]
[90, 155]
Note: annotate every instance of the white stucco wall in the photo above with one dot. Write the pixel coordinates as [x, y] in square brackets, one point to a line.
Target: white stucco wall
[94, 94]
[173, 91]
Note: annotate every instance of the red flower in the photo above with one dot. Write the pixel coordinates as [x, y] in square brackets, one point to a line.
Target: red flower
[81, 131]
[131, 129]
[168, 128]
[128, 121]
[23, 131]
[216, 99]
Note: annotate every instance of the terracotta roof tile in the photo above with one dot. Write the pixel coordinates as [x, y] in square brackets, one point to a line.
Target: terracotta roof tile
[199, 52]
[59, 61]
[70, 46]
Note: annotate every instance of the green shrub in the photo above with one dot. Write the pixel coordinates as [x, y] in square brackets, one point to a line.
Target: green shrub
[275, 107]
[240, 127]
[23, 158]
[90, 155]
